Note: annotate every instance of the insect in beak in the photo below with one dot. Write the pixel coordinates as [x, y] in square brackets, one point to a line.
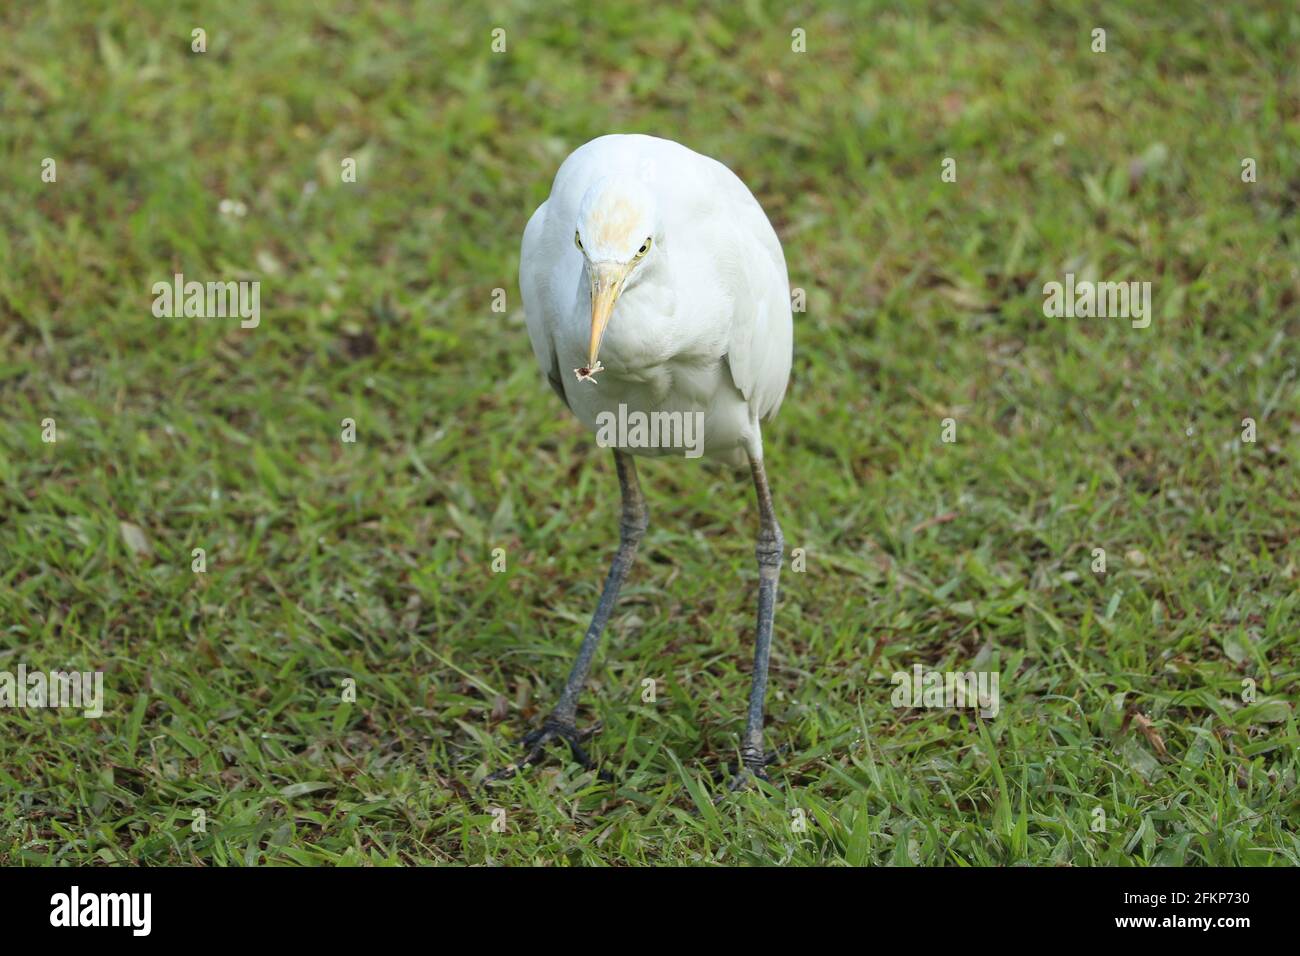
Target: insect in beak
[606, 283]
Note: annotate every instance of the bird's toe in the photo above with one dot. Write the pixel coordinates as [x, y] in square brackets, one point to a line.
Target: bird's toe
[534, 746]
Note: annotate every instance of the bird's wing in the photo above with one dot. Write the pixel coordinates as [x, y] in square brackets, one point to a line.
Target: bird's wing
[760, 342]
[534, 266]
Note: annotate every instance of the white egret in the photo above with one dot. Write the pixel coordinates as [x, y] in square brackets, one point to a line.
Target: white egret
[652, 280]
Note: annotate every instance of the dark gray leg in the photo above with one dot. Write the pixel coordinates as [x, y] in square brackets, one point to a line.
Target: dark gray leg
[770, 551]
[561, 721]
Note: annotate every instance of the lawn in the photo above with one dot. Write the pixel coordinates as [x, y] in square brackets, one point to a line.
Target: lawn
[336, 682]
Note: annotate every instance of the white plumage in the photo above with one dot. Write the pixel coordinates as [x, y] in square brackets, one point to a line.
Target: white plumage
[654, 286]
[703, 319]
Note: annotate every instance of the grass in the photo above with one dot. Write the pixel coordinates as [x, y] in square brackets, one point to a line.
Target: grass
[1123, 737]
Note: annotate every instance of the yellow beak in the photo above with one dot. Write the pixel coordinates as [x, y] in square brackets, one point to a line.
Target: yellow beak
[606, 283]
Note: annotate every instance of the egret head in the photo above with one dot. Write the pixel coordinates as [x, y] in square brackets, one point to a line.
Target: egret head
[616, 234]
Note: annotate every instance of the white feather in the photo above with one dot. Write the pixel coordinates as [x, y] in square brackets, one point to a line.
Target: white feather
[702, 325]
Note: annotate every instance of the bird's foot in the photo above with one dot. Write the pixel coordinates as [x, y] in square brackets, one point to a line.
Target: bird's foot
[747, 779]
[753, 769]
[534, 745]
[556, 728]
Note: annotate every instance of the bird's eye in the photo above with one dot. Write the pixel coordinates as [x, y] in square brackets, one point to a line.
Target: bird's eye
[645, 247]
[577, 240]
